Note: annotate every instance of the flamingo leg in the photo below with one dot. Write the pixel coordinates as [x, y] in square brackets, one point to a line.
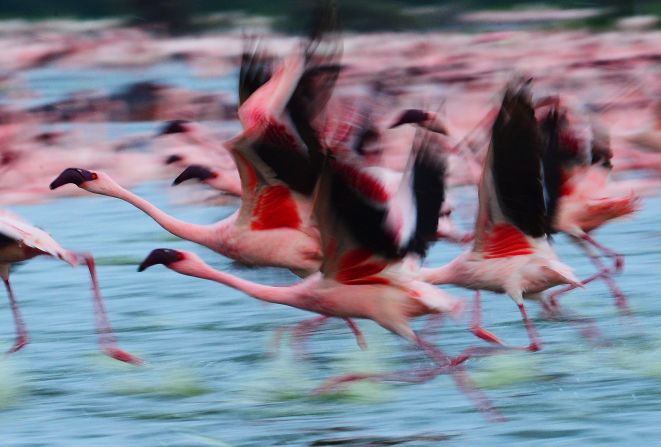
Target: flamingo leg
[535, 343]
[602, 272]
[476, 324]
[620, 299]
[303, 329]
[107, 339]
[443, 363]
[360, 338]
[22, 337]
[617, 257]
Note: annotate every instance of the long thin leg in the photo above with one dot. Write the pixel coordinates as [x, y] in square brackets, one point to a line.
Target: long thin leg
[476, 324]
[22, 337]
[602, 272]
[360, 338]
[302, 330]
[620, 299]
[535, 343]
[442, 364]
[617, 257]
[107, 339]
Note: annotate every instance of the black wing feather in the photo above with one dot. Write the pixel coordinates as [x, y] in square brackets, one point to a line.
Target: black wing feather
[256, 70]
[517, 162]
[429, 171]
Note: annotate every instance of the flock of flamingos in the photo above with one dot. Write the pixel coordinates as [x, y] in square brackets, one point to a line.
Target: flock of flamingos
[320, 196]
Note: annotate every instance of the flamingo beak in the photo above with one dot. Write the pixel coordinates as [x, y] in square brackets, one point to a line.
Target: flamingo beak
[173, 159]
[172, 127]
[410, 116]
[163, 256]
[73, 175]
[194, 172]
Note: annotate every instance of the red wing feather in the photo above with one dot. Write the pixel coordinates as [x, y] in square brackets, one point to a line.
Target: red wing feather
[354, 270]
[275, 208]
[362, 182]
[505, 240]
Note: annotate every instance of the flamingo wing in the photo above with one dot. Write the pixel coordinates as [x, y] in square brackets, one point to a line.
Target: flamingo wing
[256, 70]
[13, 227]
[512, 198]
[366, 224]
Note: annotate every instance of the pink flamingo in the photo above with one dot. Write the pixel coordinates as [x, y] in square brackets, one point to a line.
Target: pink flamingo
[273, 225]
[218, 179]
[20, 241]
[372, 238]
[511, 253]
[580, 174]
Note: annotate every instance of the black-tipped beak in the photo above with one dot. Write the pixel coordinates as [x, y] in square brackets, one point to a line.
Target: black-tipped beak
[194, 172]
[163, 256]
[173, 159]
[73, 175]
[410, 116]
[171, 127]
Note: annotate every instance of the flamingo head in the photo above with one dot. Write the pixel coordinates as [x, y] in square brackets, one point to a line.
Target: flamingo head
[174, 127]
[174, 158]
[428, 120]
[198, 172]
[92, 181]
[184, 262]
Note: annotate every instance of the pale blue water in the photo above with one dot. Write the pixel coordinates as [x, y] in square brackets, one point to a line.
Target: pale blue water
[214, 378]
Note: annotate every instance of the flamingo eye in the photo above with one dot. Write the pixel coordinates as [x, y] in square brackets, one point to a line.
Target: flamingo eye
[94, 176]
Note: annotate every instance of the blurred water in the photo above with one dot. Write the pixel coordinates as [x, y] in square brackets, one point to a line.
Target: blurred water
[214, 376]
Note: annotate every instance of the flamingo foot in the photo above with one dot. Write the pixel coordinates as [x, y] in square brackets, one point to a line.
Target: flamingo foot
[19, 344]
[360, 338]
[123, 356]
[486, 335]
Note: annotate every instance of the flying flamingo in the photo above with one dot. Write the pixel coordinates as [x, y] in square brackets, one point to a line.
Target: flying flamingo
[20, 241]
[273, 225]
[579, 173]
[373, 237]
[511, 253]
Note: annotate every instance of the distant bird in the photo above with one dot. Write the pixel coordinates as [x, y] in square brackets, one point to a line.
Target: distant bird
[221, 180]
[20, 241]
[372, 237]
[511, 253]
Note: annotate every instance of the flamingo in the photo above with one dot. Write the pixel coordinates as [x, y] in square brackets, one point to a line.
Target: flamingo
[511, 253]
[580, 173]
[273, 225]
[373, 237]
[20, 241]
[222, 180]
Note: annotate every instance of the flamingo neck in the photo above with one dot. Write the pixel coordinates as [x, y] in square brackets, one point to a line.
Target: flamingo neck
[201, 234]
[287, 295]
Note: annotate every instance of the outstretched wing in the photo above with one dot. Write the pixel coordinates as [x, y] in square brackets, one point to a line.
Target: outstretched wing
[512, 204]
[371, 217]
[256, 69]
[14, 228]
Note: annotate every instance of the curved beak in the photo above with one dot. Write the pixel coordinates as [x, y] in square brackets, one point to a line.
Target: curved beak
[410, 116]
[173, 159]
[163, 256]
[194, 172]
[72, 175]
[171, 127]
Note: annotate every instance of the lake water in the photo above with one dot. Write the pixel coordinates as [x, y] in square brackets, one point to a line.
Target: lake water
[214, 375]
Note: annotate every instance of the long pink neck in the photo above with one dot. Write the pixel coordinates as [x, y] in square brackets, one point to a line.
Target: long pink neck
[201, 234]
[287, 295]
